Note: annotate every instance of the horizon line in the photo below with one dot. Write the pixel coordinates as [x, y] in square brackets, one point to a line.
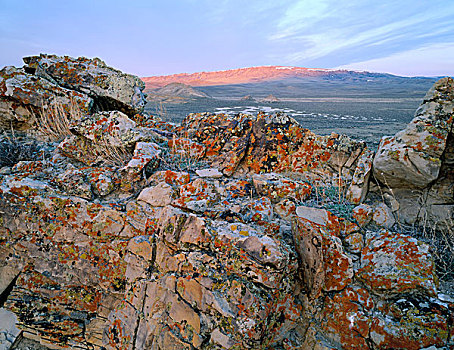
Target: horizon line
[297, 67]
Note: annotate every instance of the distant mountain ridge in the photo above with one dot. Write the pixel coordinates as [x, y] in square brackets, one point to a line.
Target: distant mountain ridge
[295, 82]
[244, 76]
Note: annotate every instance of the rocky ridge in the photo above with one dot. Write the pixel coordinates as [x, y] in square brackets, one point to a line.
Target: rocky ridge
[224, 232]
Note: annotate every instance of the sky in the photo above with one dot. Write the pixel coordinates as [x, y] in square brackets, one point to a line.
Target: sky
[151, 37]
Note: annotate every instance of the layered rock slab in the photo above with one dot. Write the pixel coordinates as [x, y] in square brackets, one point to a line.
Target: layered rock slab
[111, 88]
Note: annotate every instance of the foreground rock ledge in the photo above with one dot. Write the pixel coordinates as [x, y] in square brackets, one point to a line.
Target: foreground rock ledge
[204, 235]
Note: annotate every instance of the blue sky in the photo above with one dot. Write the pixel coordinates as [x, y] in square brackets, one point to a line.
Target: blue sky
[150, 37]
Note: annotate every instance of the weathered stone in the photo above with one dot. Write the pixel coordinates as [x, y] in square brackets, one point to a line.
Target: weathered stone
[221, 339]
[354, 242]
[8, 329]
[8, 273]
[80, 150]
[345, 320]
[214, 131]
[210, 172]
[383, 216]
[180, 229]
[72, 181]
[276, 187]
[315, 215]
[197, 195]
[272, 143]
[187, 149]
[308, 243]
[112, 129]
[412, 158]
[110, 88]
[23, 97]
[334, 225]
[260, 247]
[100, 179]
[260, 210]
[146, 157]
[323, 158]
[174, 178]
[338, 266]
[161, 308]
[322, 260]
[157, 196]
[285, 209]
[363, 214]
[410, 324]
[360, 182]
[234, 152]
[236, 189]
[392, 264]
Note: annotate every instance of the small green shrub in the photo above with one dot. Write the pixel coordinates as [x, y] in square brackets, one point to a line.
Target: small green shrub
[332, 198]
[179, 158]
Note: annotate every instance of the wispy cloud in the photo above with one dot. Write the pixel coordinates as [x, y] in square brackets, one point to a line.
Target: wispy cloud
[314, 29]
[428, 60]
[300, 16]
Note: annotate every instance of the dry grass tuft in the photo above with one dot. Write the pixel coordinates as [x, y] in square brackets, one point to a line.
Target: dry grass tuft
[113, 156]
[331, 194]
[55, 119]
[182, 155]
[440, 238]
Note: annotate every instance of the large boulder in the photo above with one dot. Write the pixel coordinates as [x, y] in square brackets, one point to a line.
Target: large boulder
[416, 165]
[413, 157]
[111, 89]
[393, 264]
[49, 86]
[275, 143]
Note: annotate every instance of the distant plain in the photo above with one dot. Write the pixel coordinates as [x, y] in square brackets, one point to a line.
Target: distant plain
[364, 108]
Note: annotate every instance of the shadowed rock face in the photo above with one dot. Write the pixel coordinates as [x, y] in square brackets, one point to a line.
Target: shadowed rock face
[204, 236]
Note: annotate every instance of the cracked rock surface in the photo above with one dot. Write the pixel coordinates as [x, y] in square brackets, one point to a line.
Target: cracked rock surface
[204, 235]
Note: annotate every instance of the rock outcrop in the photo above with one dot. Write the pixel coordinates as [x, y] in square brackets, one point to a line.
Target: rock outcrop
[248, 98]
[140, 234]
[110, 89]
[48, 80]
[416, 164]
[270, 99]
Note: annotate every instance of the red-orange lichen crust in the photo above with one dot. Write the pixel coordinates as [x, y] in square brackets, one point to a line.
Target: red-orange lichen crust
[393, 263]
[345, 317]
